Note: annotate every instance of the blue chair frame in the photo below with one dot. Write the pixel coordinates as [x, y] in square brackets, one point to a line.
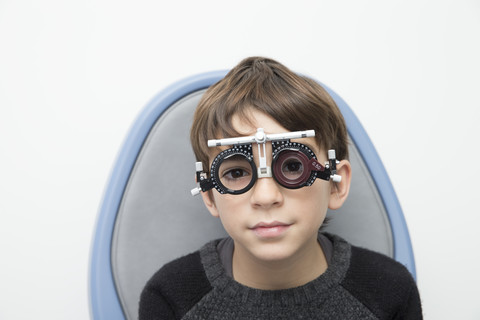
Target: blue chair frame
[104, 300]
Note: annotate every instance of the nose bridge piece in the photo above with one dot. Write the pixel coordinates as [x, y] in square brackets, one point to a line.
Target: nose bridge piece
[263, 171]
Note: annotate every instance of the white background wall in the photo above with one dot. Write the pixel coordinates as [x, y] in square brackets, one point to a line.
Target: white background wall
[74, 74]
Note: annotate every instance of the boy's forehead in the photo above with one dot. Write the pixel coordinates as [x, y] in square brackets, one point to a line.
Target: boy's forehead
[246, 124]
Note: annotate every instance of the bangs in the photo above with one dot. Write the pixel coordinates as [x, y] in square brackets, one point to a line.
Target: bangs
[264, 92]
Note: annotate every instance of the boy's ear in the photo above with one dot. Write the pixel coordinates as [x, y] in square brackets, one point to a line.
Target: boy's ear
[209, 202]
[339, 191]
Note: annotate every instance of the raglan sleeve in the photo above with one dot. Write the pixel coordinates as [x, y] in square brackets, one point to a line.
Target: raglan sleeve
[383, 285]
[174, 289]
[153, 305]
[412, 307]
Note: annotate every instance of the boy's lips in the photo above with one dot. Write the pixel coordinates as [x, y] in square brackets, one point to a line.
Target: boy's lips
[272, 229]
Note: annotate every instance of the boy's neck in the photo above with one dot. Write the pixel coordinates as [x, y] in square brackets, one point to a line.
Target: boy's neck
[295, 271]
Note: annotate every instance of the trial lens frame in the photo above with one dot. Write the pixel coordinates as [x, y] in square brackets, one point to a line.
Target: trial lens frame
[244, 144]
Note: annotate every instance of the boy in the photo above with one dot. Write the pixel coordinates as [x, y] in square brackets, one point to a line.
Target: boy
[273, 138]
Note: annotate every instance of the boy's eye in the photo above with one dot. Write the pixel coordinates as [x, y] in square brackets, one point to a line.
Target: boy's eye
[235, 173]
[292, 168]
[236, 178]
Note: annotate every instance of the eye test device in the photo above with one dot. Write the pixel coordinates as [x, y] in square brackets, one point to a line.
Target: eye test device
[294, 165]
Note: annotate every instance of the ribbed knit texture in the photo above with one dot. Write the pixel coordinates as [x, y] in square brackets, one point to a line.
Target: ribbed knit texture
[358, 284]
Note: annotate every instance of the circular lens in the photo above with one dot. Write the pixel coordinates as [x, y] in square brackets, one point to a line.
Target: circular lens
[235, 173]
[290, 168]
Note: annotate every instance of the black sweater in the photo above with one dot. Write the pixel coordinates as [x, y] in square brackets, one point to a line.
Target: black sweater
[358, 284]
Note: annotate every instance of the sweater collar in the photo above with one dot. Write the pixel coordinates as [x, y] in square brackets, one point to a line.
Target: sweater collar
[313, 290]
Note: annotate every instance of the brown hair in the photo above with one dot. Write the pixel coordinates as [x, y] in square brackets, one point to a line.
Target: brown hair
[295, 102]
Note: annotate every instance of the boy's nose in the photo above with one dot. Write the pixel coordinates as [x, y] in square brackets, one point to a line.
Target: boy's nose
[266, 193]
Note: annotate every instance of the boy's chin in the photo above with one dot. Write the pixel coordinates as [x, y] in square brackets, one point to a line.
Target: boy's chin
[274, 253]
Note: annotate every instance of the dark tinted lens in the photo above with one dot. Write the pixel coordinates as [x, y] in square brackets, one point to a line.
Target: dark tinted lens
[235, 172]
[290, 168]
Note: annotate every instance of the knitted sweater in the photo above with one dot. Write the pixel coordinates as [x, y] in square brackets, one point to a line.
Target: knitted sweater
[358, 284]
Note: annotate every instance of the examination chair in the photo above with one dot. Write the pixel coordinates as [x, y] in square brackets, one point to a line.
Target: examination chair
[148, 216]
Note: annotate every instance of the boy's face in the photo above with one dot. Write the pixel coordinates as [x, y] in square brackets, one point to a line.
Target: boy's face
[270, 222]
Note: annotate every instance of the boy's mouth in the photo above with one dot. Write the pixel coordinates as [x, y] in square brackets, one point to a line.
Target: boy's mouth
[270, 230]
